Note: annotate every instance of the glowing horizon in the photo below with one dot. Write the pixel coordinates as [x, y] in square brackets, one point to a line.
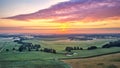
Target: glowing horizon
[66, 17]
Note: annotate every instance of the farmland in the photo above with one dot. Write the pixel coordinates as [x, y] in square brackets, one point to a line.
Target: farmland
[15, 59]
[34, 59]
[60, 45]
[107, 61]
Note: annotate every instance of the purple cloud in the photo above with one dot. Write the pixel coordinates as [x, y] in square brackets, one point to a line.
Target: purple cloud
[74, 10]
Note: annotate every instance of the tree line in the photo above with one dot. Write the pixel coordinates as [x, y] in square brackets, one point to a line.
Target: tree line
[49, 50]
[73, 48]
[29, 47]
[110, 44]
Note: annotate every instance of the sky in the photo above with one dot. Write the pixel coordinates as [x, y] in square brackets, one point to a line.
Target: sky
[60, 16]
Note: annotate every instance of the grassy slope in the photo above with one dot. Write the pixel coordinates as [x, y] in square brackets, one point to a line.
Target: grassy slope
[88, 53]
[33, 64]
[107, 61]
[25, 59]
[15, 59]
[57, 45]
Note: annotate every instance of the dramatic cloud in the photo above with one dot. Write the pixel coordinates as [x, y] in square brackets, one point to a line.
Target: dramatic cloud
[76, 10]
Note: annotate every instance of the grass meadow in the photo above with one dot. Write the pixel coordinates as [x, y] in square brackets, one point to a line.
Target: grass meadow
[38, 59]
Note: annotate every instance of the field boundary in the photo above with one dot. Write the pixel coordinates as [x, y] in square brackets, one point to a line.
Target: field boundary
[89, 56]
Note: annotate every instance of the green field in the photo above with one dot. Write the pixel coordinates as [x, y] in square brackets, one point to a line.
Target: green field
[38, 59]
[33, 64]
[60, 45]
[15, 59]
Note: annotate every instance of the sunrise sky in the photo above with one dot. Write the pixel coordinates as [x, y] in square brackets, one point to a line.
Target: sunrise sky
[59, 16]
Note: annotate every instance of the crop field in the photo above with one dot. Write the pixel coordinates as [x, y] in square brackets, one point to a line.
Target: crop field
[38, 59]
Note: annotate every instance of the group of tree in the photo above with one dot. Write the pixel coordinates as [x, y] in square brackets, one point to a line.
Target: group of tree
[29, 47]
[73, 48]
[112, 44]
[91, 48]
[79, 48]
[49, 50]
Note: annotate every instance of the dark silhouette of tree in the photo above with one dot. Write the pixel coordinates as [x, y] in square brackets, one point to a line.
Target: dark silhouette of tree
[41, 50]
[21, 48]
[54, 51]
[106, 46]
[37, 45]
[7, 49]
[13, 49]
[37, 49]
[75, 48]
[29, 49]
[91, 48]
[68, 49]
[80, 48]
[49, 50]
[112, 44]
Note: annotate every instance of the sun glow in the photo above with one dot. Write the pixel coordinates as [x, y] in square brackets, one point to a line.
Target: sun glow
[64, 27]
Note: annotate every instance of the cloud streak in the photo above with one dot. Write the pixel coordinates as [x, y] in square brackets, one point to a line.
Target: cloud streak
[76, 10]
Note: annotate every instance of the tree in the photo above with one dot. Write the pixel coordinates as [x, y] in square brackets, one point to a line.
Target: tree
[37, 45]
[92, 47]
[49, 50]
[68, 49]
[29, 49]
[54, 51]
[7, 49]
[112, 44]
[80, 48]
[13, 49]
[77, 48]
[106, 46]
[37, 49]
[21, 48]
